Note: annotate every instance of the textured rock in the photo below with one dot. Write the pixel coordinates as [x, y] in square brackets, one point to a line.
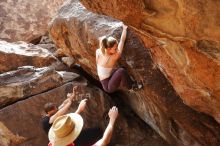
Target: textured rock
[126, 133]
[7, 137]
[77, 32]
[190, 56]
[23, 54]
[186, 18]
[28, 81]
[69, 61]
[48, 44]
[194, 74]
[26, 20]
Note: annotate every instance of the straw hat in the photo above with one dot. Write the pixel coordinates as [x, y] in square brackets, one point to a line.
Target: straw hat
[65, 129]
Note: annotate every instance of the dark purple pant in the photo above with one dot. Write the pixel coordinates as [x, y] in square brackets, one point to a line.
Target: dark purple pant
[118, 78]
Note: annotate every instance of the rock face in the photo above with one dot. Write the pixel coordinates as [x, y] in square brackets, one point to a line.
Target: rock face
[7, 137]
[14, 55]
[158, 104]
[28, 81]
[198, 20]
[26, 20]
[190, 54]
[29, 117]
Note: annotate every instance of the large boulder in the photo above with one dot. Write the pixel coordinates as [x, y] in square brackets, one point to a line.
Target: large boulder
[188, 33]
[27, 116]
[28, 81]
[77, 33]
[14, 55]
[26, 20]
[195, 19]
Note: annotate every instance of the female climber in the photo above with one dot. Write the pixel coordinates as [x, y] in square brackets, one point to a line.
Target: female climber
[107, 55]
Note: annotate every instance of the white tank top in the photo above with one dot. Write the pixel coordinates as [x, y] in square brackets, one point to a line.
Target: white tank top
[103, 72]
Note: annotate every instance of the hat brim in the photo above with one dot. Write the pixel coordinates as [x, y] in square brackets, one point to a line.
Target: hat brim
[56, 141]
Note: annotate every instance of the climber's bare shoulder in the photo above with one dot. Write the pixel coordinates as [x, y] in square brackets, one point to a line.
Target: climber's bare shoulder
[116, 56]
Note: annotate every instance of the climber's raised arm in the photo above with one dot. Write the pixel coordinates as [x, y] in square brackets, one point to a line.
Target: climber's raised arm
[123, 38]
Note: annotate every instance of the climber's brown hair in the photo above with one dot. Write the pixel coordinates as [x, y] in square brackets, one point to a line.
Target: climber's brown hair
[107, 42]
[49, 107]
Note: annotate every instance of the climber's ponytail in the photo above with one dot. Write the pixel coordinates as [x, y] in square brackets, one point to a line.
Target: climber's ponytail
[106, 43]
[103, 44]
